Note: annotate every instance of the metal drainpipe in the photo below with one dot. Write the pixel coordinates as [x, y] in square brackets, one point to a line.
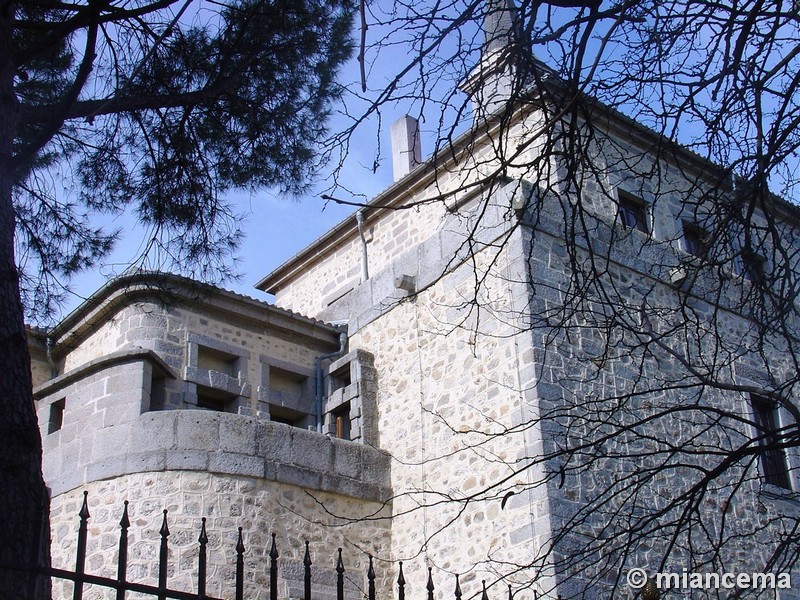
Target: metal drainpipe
[49, 353]
[364, 269]
[318, 371]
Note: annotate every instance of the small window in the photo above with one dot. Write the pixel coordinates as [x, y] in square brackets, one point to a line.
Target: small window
[209, 398]
[287, 388]
[217, 360]
[695, 240]
[55, 420]
[341, 421]
[288, 416]
[340, 378]
[632, 213]
[772, 459]
[753, 266]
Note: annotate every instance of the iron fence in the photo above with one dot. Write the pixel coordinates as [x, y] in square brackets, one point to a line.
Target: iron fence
[162, 591]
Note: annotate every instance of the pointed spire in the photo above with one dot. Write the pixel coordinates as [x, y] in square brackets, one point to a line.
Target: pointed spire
[499, 24]
[500, 72]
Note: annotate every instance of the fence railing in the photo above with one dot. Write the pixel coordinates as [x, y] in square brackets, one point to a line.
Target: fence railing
[122, 585]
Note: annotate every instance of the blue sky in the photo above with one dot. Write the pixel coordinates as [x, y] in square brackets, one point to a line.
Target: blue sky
[275, 228]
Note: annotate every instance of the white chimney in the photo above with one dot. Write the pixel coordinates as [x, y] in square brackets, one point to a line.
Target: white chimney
[406, 152]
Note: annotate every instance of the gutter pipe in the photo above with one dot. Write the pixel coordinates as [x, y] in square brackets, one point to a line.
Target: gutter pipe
[360, 223]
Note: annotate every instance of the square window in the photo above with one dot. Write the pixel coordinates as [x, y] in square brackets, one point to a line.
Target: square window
[288, 416]
[753, 265]
[341, 421]
[695, 240]
[632, 213]
[289, 389]
[55, 420]
[211, 359]
[209, 398]
[774, 466]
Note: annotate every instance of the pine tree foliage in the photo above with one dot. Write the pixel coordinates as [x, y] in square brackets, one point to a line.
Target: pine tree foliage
[160, 108]
[152, 107]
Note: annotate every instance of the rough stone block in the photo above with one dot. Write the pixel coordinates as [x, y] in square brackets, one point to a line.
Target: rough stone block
[187, 460]
[312, 450]
[110, 442]
[304, 478]
[141, 462]
[155, 430]
[197, 429]
[346, 459]
[238, 434]
[348, 487]
[70, 454]
[375, 467]
[67, 480]
[274, 441]
[235, 464]
[106, 469]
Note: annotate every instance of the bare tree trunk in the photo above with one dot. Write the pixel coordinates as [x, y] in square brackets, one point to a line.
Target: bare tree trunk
[24, 519]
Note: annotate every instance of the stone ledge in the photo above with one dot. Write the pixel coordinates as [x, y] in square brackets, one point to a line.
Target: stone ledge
[127, 355]
[229, 444]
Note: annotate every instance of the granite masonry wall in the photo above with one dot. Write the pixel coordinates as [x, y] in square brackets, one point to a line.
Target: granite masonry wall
[455, 367]
[123, 421]
[259, 506]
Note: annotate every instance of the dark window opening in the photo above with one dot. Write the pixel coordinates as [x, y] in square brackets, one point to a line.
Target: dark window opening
[56, 419]
[158, 393]
[753, 266]
[213, 399]
[341, 421]
[695, 240]
[632, 213]
[288, 416]
[340, 378]
[772, 459]
[287, 388]
[217, 360]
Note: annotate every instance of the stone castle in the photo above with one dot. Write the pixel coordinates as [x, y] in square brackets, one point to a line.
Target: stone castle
[411, 392]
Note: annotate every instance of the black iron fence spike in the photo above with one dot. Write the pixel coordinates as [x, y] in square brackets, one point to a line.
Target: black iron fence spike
[430, 585]
[203, 539]
[164, 527]
[511, 594]
[122, 554]
[370, 580]
[340, 577]
[163, 555]
[240, 543]
[84, 513]
[457, 592]
[401, 584]
[484, 595]
[273, 570]
[240, 567]
[307, 574]
[340, 563]
[125, 522]
[273, 551]
[202, 560]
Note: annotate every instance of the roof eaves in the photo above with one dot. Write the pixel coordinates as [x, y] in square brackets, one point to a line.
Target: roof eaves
[127, 289]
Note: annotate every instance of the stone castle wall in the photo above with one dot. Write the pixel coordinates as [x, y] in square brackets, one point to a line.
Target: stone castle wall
[453, 384]
[451, 364]
[259, 507]
[121, 421]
